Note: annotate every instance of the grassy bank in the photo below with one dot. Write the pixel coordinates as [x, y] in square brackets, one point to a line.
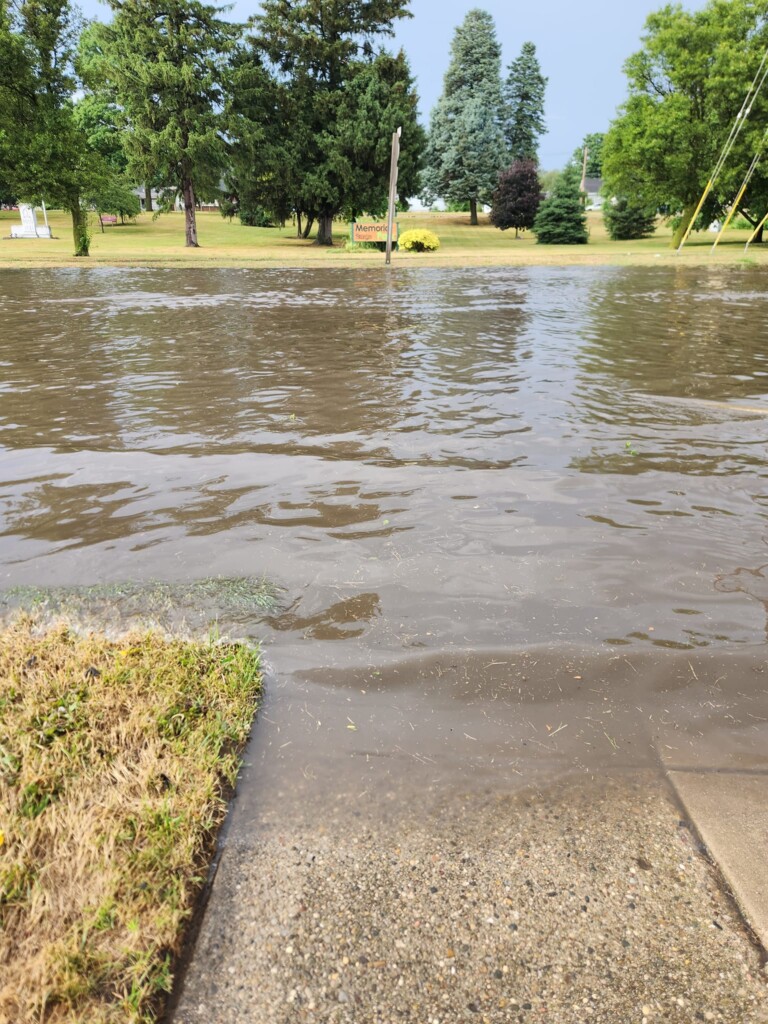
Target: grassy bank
[160, 243]
[115, 762]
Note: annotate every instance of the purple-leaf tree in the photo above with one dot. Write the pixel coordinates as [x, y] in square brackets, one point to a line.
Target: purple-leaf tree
[518, 194]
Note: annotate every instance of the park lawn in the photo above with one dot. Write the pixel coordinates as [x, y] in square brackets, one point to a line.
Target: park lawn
[116, 760]
[159, 242]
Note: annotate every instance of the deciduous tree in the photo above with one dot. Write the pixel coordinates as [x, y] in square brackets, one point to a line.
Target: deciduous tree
[686, 87]
[593, 143]
[43, 151]
[517, 197]
[113, 194]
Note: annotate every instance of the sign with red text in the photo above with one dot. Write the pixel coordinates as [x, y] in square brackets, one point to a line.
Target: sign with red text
[375, 231]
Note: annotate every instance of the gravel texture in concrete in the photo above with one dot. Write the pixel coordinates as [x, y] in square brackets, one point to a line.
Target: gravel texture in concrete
[585, 902]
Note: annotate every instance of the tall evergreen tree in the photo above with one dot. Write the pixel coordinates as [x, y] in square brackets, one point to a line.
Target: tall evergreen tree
[323, 53]
[268, 140]
[524, 92]
[102, 117]
[517, 197]
[167, 64]
[466, 147]
[381, 92]
[561, 219]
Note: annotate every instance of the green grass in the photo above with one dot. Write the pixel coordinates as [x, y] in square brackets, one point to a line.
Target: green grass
[160, 242]
[116, 760]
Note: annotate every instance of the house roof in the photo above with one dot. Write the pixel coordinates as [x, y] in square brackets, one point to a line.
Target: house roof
[593, 185]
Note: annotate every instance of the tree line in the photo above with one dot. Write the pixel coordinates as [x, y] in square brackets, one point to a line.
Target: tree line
[289, 115]
[686, 87]
[292, 113]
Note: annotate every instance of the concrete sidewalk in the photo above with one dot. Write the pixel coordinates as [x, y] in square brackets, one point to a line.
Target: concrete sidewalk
[587, 901]
[730, 813]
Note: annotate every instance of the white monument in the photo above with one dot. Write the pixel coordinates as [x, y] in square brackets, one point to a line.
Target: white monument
[29, 228]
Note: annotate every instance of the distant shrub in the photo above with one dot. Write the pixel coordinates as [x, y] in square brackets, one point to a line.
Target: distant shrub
[254, 215]
[627, 220]
[419, 241]
[229, 207]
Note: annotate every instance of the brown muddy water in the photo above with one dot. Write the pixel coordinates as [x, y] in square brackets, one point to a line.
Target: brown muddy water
[517, 517]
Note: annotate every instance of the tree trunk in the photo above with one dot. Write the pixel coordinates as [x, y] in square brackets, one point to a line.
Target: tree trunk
[308, 226]
[148, 198]
[473, 211]
[677, 238]
[80, 229]
[759, 235]
[298, 224]
[517, 232]
[102, 223]
[324, 228]
[190, 219]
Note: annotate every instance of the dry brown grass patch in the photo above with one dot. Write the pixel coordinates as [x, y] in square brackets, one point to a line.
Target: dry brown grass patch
[115, 761]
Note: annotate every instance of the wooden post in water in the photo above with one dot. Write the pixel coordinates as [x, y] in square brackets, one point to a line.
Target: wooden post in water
[392, 191]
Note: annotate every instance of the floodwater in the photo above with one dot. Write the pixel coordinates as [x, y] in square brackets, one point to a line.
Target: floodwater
[517, 517]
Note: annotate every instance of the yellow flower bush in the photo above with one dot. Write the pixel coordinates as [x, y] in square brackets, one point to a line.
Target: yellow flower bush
[419, 241]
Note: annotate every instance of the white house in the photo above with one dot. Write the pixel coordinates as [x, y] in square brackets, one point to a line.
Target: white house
[592, 187]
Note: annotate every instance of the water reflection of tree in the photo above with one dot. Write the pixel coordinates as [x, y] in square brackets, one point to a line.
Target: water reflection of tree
[342, 619]
[58, 371]
[261, 360]
[460, 378]
[238, 362]
[675, 332]
[657, 336]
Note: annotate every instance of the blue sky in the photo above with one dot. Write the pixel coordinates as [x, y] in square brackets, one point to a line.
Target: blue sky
[581, 46]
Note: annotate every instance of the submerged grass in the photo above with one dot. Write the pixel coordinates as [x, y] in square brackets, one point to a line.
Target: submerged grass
[196, 604]
[116, 759]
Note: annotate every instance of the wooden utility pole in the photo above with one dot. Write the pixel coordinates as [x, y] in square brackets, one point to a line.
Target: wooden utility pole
[392, 191]
[584, 171]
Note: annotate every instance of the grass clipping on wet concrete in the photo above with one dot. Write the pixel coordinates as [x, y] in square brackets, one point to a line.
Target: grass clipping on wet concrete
[116, 759]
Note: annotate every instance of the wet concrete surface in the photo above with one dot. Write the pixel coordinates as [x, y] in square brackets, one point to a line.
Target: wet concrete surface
[502, 717]
[369, 793]
[584, 901]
